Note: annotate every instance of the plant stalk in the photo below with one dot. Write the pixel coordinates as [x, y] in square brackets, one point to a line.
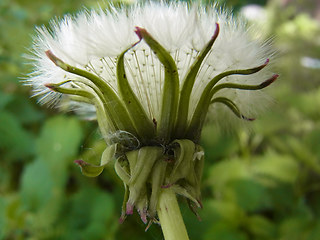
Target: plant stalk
[171, 221]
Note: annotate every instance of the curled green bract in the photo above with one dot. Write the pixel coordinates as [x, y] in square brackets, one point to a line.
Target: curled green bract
[170, 96]
[92, 170]
[137, 114]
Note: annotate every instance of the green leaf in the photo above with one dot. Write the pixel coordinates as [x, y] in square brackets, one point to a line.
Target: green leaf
[102, 207]
[3, 219]
[217, 144]
[24, 111]
[89, 215]
[227, 212]
[5, 99]
[226, 171]
[294, 228]
[223, 231]
[59, 140]
[36, 185]
[249, 194]
[275, 166]
[312, 142]
[261, 227]
[314, 232]
[14, 140]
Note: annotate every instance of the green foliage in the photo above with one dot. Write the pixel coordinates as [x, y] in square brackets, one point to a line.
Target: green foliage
[260, 185]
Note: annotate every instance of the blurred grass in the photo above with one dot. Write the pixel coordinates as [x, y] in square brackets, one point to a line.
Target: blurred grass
[262, 184]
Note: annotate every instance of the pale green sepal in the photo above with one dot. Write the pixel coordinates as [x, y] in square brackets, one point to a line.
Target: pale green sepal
[146, 158]
[195, 179]
[132, 157]
[198, 162]
[157, 179]
[170, 95]
[143, 124]
[187, 86]
[122, 170]
[188, 170]
[183, 192]
[124, 204]
[142, 204]
[198, 169]
[108, 154]
[183, 165]
[192, 186]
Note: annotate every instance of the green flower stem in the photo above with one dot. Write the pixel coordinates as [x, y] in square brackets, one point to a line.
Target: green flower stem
[171, 221]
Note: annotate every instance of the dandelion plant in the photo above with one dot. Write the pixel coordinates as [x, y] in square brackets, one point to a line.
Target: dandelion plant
[152, 75]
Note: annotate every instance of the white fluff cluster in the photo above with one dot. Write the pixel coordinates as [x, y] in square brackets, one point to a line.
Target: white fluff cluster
[93, 40]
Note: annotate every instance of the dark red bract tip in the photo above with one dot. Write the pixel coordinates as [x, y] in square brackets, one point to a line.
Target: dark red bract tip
[167, 185]
[263, 65]
[51, 56]
[80, 162]
[247, 119]
[139, 31]
[143, 216]
[49, 85]
[216, 32]
[269, 81]
[122, 218]
[129, 209]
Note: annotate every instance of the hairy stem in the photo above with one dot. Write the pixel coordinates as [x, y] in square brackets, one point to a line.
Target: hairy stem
[171, 221]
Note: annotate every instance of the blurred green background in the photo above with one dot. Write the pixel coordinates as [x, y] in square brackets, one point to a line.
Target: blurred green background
[259, 184]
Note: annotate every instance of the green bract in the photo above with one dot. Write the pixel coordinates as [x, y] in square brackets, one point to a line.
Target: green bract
[153, 154]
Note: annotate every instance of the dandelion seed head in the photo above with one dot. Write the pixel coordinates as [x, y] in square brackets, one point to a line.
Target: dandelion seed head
[152, 74]
[92, 40]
